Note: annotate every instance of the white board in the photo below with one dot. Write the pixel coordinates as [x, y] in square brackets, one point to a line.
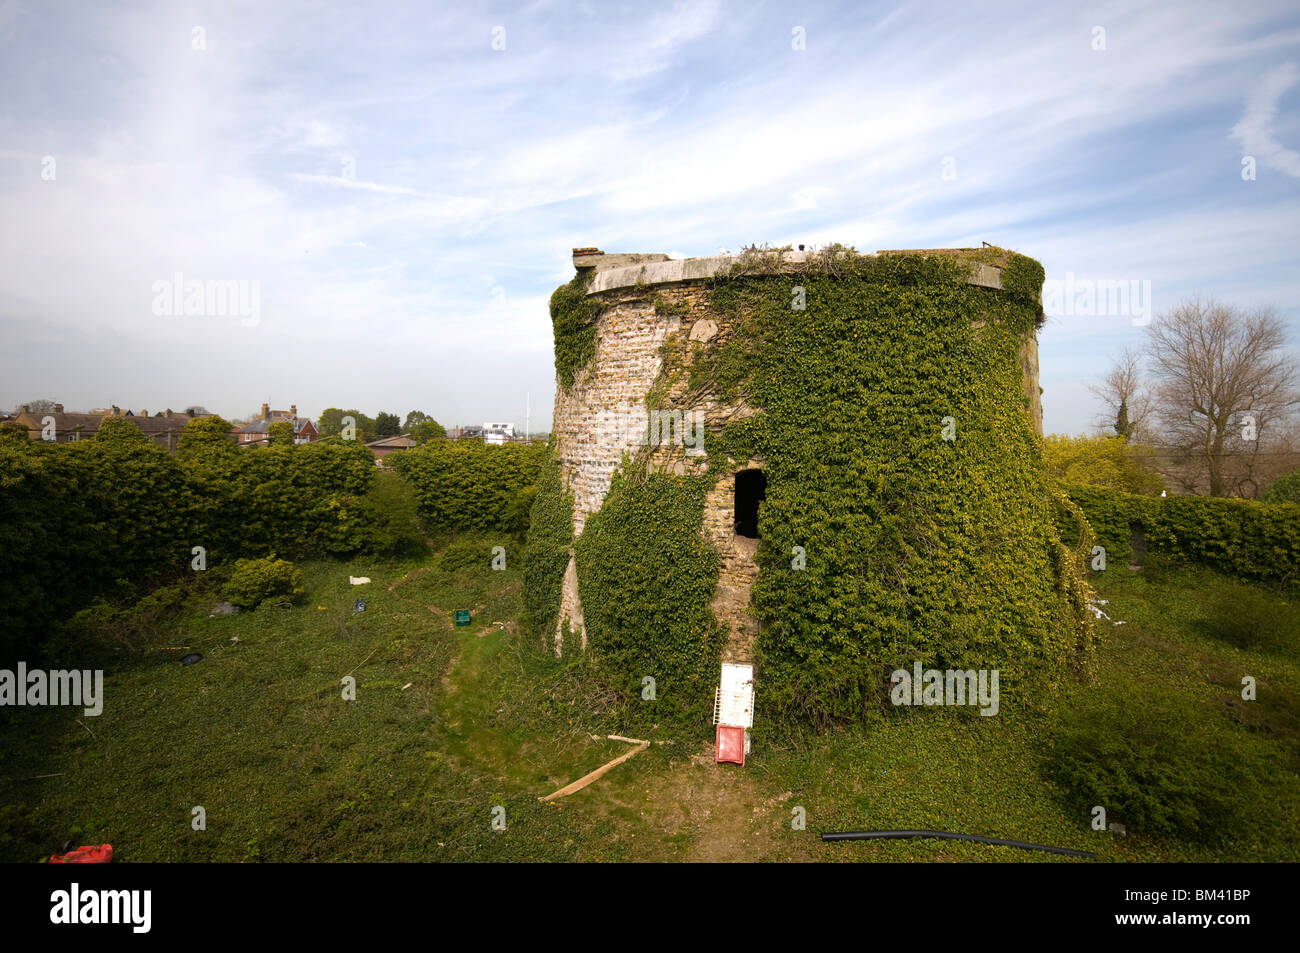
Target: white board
[736, 696]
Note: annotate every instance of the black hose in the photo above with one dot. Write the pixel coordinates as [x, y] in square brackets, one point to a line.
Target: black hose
[944, 835]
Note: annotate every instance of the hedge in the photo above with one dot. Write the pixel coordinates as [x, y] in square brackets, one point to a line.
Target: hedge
[1242, 538]
[466, 484]
[111, 517]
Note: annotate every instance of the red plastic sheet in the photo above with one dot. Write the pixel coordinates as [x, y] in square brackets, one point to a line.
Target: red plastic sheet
[731, 744]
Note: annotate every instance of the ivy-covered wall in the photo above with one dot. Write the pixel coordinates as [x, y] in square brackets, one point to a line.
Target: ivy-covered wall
[646, 577]
[882, 542]
[549, 546]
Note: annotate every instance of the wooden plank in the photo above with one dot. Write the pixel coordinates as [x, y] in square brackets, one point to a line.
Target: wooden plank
[586, 779]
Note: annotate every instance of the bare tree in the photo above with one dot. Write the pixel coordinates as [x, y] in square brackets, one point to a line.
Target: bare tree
[42, 406]
[1223, 379]
[1127, 399]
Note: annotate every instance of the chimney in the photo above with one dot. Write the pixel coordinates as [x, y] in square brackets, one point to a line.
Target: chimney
[586, 257]
[293, 411]
[266, 411]
[116, 411]
[143, 412]
[168, 413]
[58, 408]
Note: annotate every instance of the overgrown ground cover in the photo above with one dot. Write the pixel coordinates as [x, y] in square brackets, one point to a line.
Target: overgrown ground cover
[451, 722]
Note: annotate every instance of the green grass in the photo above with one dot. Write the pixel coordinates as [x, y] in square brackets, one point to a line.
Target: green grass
[450, 722]
[258, 734]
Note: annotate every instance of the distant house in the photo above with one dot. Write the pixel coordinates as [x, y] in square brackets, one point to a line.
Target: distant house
[163, 429]
[469, 432]
[497, 434]
[386, 445]
[304, 431]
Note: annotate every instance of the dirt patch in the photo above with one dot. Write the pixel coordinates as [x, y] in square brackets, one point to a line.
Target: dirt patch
[690, 808]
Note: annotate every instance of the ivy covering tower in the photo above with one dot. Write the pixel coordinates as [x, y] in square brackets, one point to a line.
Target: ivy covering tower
[827, 464]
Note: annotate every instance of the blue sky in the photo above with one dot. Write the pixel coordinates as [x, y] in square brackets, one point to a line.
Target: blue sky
[406, 196]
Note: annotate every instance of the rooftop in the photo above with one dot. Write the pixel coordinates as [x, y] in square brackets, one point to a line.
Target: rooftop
[610, 272]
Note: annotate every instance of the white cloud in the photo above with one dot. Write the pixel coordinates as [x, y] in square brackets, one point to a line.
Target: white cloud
[1255, 129]
[346, 183]
[662, 37]
[679, 127]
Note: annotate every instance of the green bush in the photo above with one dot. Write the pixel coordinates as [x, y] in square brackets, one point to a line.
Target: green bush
[466, 553]
[256, 580]
[1108, 461]
[391, 515]
[1285, 489]
[466, 484]
[1249, 618]
[1242, 538]
[1161, 768]
[520, 509]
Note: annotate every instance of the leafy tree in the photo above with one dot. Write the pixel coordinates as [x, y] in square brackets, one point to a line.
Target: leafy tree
[468, 485]
[331, 424]
[1285, 489]
[119, 430]
[280, 434]
[413, 418]
[12, 430]
[426, 430]
[392, 518]
[204, 433]
[387, 425]
[1100, 461]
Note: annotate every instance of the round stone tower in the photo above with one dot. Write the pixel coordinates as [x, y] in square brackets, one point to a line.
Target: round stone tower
[640, 308]
[825, 464]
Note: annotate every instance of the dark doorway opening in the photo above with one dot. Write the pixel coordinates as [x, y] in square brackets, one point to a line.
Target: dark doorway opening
[751, 487]
[1138, 545]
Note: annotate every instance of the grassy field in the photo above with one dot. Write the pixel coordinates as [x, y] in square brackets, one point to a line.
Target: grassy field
[451, 724]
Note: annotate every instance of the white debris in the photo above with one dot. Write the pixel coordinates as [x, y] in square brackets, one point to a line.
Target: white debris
[358, 580]
[1095, 606]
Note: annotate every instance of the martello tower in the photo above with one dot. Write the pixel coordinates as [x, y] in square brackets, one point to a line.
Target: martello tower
[635, 338]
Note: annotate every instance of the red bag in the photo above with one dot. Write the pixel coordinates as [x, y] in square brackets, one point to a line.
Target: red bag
[85, 855]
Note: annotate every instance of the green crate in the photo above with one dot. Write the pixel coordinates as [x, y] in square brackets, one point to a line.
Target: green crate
[462, 617]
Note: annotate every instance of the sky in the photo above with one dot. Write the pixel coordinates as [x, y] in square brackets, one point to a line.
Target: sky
[399, 186]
